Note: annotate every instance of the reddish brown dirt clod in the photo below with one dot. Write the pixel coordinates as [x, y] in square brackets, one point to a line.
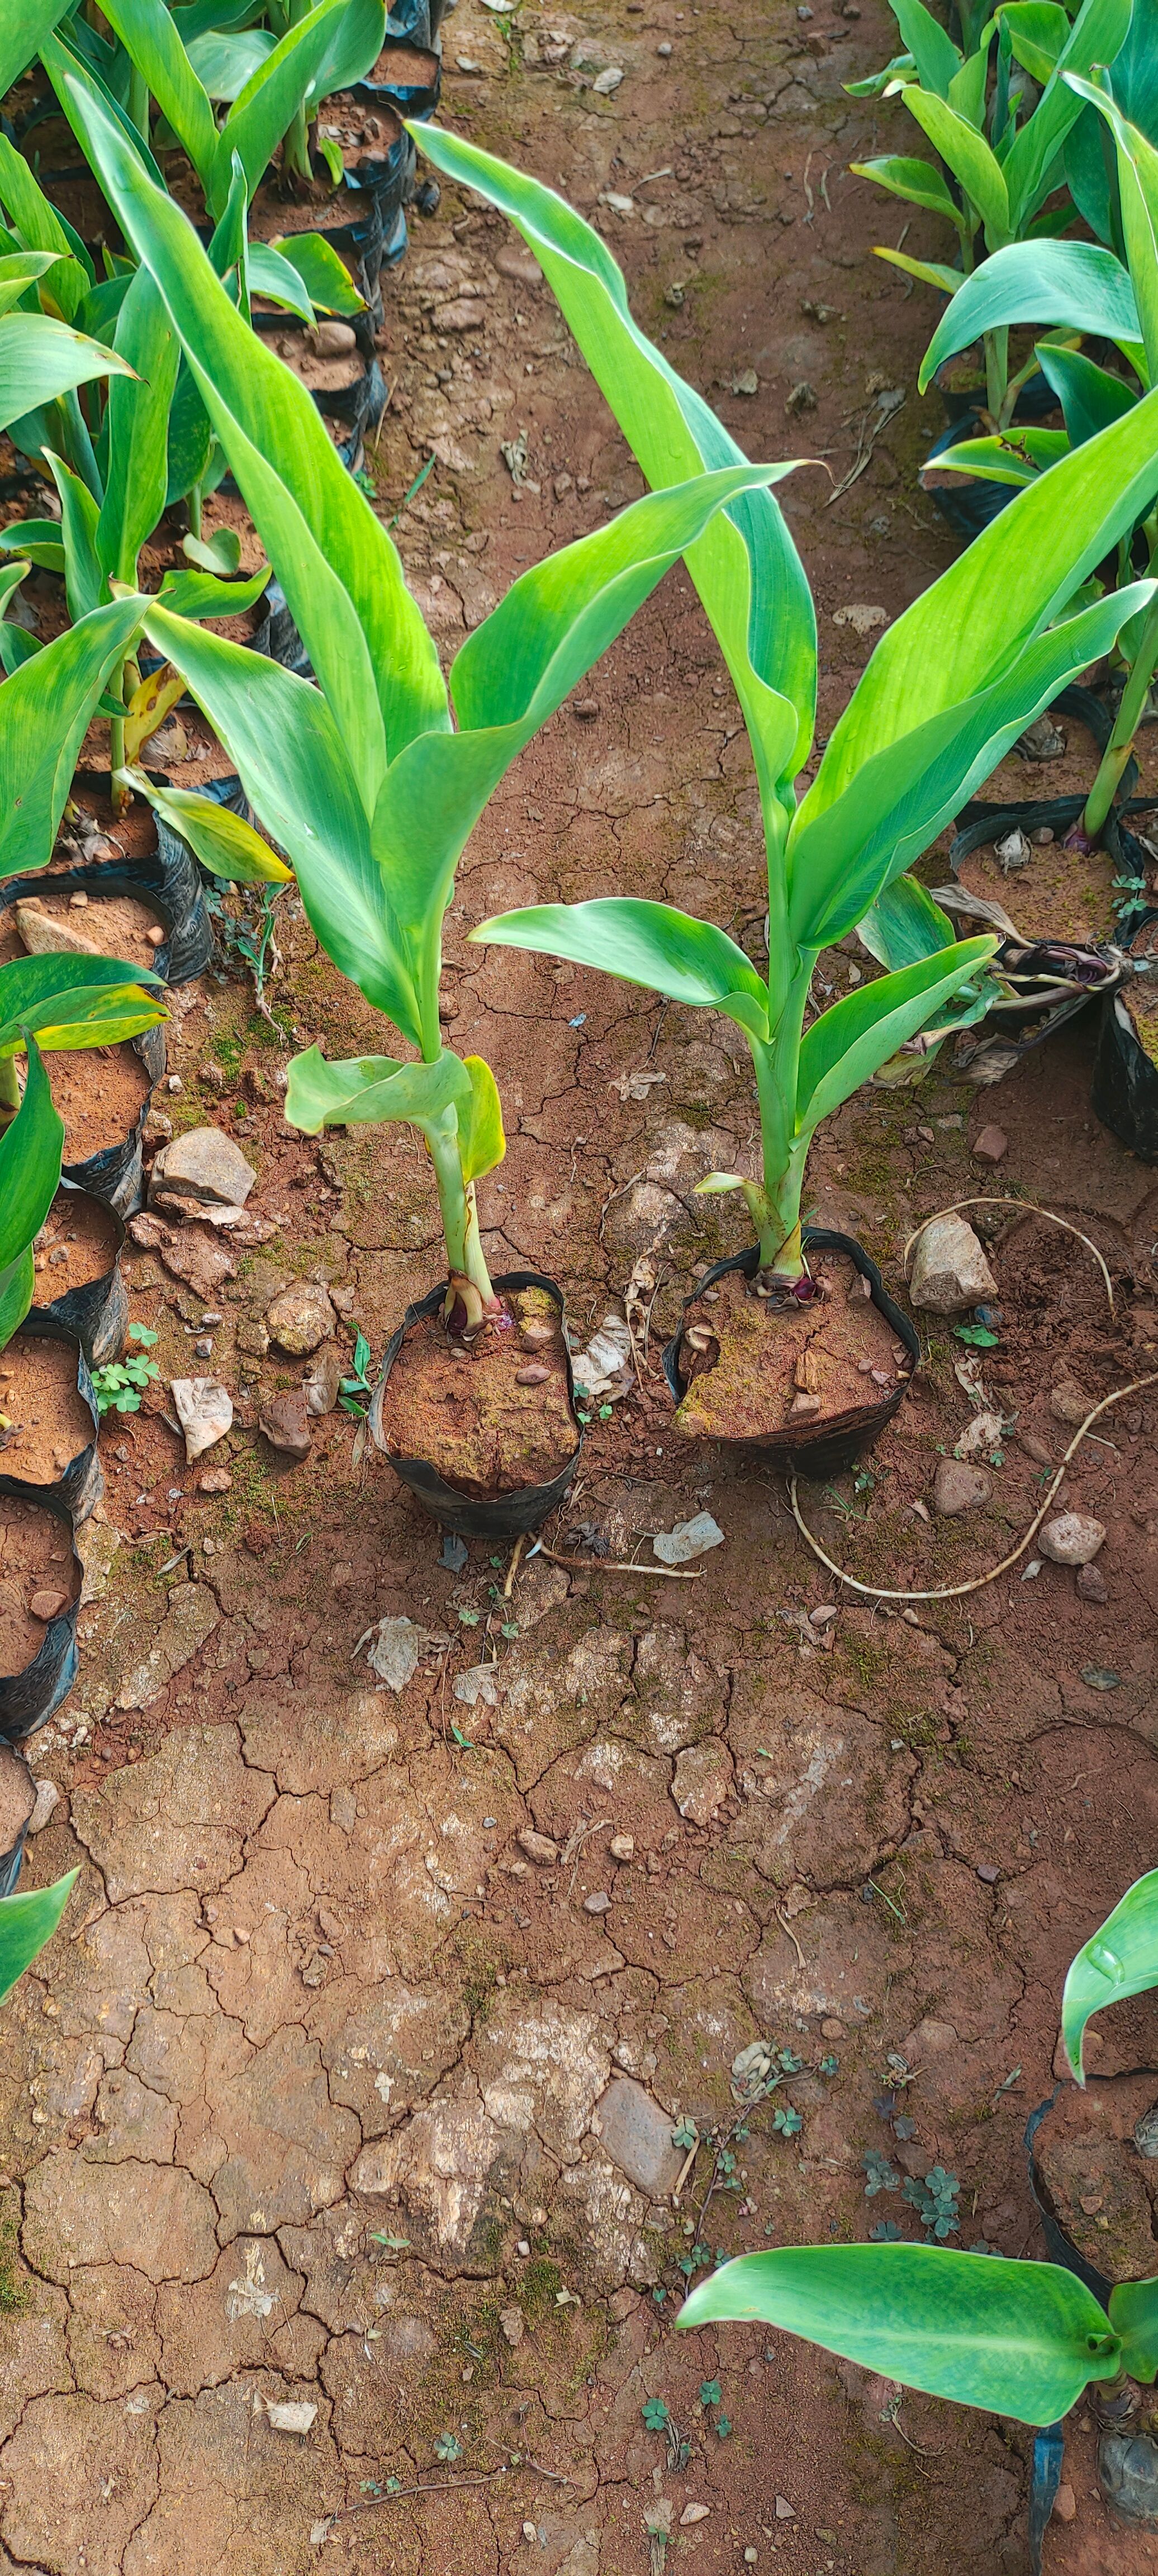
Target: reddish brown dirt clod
[49, 1422]
[756, 1385]
[487, 1424]
[99, 1093]
[36, 1566]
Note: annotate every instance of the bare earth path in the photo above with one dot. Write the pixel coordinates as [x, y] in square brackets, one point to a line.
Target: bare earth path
[311, 2107]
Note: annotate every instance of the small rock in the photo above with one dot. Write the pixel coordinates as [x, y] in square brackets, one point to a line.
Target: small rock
[323, 1380]
[538, 1847]
[530, 2531]
[216, 1480]
[286, 1425]
[47, 1797]
[1014, 851]
[523, 2246]
[862, 617]
[1068, 1404]
[950, 1271]
[804, 1407]
[987, 1873]
[824, 1615]
[513, 2328]
[803, 397]
[784, 2511]
[694, 2513]
[1065, 2503]
[1090, 1584]
[43, 935]
[745, 379]
[1035, 1448]
[1041, 840]
[606, 83]
[622, 1847]
[48, 1605]
[1073, 1538]
[290, 2415]
[394, 1651]
[832, 2029]
[1042, 740]
[333, 339]
[750, 2556]
[687, 1539]
[203, 1349]
[636, 2134]
[599, 1903]
[991, 1145]
[959, 1488]
[461, 314]
[588, 708]
[300, 1317]
[535, 1374]
[204, 1163]
[702, 1782]
[204, 1411]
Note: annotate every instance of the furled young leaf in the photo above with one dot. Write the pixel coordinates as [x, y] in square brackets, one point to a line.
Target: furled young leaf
[40, 359]
[1023, 2339]
[1134, 2316]
[27, 1921]
[30, 1154]
[72, 1001]
[1138, 191]
[1095, 37]
[83, 573]
[919, 182]
[44, 710]
[844, 1047]
[745, 567]
[971, 625]
[137, 429]
[482, 1143]
[147, 32]
[1119, 1959]
[1076, 283]
[225, 843]
[646, 943]
[341, 574]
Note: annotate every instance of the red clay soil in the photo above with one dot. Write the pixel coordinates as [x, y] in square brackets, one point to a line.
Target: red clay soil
[837, 1353]
[115, 925]
[308, 2103]
[36, 1565]
[76, 1244]
[490, 1419]
[48, 1423]
[99, 1092]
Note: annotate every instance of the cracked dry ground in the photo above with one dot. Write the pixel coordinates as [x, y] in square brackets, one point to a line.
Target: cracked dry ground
[309, 1995]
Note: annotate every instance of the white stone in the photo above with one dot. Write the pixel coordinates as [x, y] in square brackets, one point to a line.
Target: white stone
[950, 1271]
[204, 1411]
[47, 1797]
[688, 1538]
[1073, 1538]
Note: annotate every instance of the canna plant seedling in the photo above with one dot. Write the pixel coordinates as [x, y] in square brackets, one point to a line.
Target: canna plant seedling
[363, 779]
[64, 1002]
[1003, 163]
[947, 690]
[1089, 291]
[1120, 1959]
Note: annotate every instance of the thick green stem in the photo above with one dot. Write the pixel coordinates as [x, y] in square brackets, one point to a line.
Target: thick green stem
[783, 1151]
[996, 345]
[466, 1266]
[194, 506]
[1121, 742]
[139, 101]
[9, 1086]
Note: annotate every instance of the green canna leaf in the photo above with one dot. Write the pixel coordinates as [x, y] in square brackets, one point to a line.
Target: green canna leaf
[1038, 31]
[41, 359]
[931, 272]
[1017, 457]
[84, 579]
[969, 157]
[1134, 2316]
[27, 1921]
[1089, 395]
[1138, 192]
[325, 278]
[1097, 35]
[1023, 2339]
[63, 1001]
[44, 710]
[137, 427]
[745, 566]
[646, 943]
[31, 1147]
[150, 38]
[204, 594]
[1077, 283]
[936, 58]
[225, 62]
[278, 280]
[21, 269]
[1119, 1959]
[25, 25]
[844, 1047]
[371, 1089]
[904, 924]
[223, 842]
[41, 227]
[919, 182]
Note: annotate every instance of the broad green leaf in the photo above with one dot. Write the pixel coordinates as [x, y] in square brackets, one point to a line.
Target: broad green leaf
[44, 710]
[190, 437]
[83, 571]
[1089, 395]
[745, 567]
[38, 539]
[1138, 190]
[326, 279]
[936, 57]
[66, 53]
[1095, 37]
[225, 843]
[646, 943]
[203, 594]
[340, 572]
[41, 227]
[275, 278]
[899, 798]
[969, 158]
[1022, 2339]
[1135, 72]
[966, 92]
[1119, 1959]
[282, 739]
[481, 1141]
[40, 359]
[844, 1047]
[19, 270]
[58, 997]
[372, 1088]
[22, 31]
[1038, 31]
[149, 36]
[1018, 456]
[27, 1921]
[961, 634]
[224, 63]
[137, 427]
[919, 182]
[358, 37]
[1077, 283]
[219, 553]
[30, 1150]
[1134, 2316]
